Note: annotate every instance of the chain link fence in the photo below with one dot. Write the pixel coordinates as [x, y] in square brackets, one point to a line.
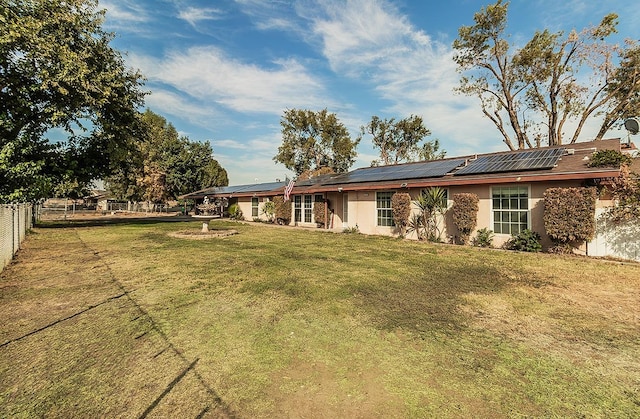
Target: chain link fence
[15, 221]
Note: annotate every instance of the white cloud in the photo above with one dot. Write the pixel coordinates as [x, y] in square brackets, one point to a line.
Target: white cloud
[233, 144]
[124, 11]
[207, 73]
[196, 112]
[414, 72]
[194, 15]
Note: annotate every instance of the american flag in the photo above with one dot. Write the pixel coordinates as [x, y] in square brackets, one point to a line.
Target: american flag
[287, 190]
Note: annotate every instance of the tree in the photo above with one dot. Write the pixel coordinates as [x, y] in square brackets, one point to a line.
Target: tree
[624, 89]
[312, 140]
[399, 141]
[57, 70]
[165, 165]
[533, 92]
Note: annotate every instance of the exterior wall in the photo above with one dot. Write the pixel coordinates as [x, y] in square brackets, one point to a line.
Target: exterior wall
[245, 205]
[362, 211]
[618, 240]
[485, 213]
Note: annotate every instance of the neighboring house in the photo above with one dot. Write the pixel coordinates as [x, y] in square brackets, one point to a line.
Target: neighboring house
[510, 186]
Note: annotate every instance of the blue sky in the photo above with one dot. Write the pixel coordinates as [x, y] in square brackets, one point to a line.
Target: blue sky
[224, 71]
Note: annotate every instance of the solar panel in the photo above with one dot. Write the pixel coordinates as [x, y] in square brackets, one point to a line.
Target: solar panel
[435, 168]
[258, 187]
[513, 162]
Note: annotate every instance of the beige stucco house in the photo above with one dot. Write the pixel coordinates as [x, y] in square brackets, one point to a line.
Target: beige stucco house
[510, 186]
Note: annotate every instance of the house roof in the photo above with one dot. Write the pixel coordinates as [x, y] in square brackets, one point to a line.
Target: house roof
[565, 162]
[258, 189]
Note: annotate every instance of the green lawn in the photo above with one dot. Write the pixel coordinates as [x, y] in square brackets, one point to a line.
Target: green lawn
[124, 320]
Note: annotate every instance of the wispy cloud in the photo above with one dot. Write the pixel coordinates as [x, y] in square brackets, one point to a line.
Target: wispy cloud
[194, 15]
[124, 11]
[413, 71]
[233, 144]
[178, 105]
[207, 73]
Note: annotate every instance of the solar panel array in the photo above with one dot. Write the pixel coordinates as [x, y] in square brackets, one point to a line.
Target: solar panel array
[513, 162]
[420, 170]
[228, 190]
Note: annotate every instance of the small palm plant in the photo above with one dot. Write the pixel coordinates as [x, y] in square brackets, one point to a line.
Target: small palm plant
[432, 206]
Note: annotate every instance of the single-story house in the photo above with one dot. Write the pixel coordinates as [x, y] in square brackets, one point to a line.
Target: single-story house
[510, 186]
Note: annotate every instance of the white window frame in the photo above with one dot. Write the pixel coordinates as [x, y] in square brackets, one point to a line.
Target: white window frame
[506, 214]
[255, 207]
[385, 209]
[297, 208]
[307, 208]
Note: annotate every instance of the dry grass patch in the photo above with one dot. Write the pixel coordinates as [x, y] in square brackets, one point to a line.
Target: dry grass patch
[287, 322]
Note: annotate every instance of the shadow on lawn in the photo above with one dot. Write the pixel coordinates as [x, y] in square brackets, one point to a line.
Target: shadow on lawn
[429, 301]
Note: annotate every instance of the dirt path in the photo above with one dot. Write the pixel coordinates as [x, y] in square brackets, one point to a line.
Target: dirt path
[75, 343]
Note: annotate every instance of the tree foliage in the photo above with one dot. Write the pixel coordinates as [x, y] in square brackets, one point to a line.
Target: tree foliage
[399, 141]
[532, 93]
[165, 165]
[57, 71]
[312, 140]
[608, 158]
[625, 190]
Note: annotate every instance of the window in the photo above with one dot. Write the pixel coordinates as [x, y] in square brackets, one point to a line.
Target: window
[254, 207]
[510, 207]
[383, 209]
[308, 211]
[297, 208]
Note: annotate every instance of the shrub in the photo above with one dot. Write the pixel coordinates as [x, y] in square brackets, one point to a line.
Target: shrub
[318, 211]
[569, 216]
[351, 230]
[401, 209]
[432, 205]
[268, 209]
[525, 241]
[235, 213]
[605, 158]
[465, 214]
[483, 238]
[282, 210]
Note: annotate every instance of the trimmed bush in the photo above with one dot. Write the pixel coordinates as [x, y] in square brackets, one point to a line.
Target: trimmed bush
[401, 209]
[318, 211]
[465, 214]
[282, 210]
[569, 216]
[525, 241]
